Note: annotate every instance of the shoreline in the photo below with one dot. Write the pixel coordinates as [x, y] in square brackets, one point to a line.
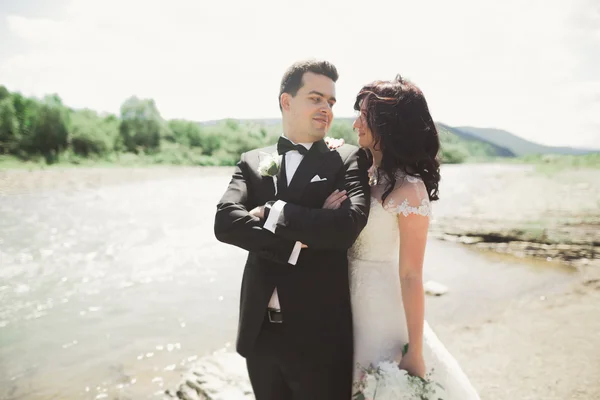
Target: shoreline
[573, 245]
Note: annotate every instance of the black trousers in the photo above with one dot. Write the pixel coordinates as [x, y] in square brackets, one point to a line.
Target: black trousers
[280, 370]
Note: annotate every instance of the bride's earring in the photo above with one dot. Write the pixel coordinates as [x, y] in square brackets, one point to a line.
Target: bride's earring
[373, 177]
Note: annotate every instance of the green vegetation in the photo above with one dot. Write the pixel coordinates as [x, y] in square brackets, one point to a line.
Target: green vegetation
[38, 132]
[550, 164]
[591, 160]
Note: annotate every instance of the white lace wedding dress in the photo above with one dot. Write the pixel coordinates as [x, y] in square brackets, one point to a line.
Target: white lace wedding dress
[380, 329]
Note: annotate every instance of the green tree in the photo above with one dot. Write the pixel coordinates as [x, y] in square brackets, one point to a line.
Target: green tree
[92, 134]
[9, 126]
[4, 93]
[26, 110]
[142, 127]
[187, 133]
[228, 139]
[452, 154]
[50, 133]
[342, 129]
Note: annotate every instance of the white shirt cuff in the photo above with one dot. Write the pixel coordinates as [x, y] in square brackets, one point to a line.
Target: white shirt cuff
[295, 253]
[271, 221]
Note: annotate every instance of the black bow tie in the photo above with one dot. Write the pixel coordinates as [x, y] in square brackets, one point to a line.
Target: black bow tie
[284, 145]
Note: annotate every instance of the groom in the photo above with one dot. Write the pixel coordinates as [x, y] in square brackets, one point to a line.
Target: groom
[295, 325]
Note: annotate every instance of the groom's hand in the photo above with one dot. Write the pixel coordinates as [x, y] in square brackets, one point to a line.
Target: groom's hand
[258, 212]
[335, 200]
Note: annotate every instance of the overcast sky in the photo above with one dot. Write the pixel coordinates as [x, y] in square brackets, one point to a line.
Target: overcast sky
[531, 67]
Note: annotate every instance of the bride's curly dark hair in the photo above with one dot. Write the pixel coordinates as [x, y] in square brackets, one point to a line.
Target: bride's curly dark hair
[403, 130]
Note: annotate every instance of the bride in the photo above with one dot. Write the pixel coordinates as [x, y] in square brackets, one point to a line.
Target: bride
[386, 261]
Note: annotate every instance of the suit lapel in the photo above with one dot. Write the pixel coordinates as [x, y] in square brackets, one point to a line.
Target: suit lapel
[282, 179]
[306, 170]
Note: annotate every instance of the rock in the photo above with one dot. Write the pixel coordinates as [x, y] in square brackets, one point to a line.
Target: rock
[221, 376]
[187, 393]
[470, 239]
[435, 288]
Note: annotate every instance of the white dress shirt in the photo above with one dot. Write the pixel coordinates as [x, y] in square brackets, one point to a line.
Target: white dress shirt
[292, 161]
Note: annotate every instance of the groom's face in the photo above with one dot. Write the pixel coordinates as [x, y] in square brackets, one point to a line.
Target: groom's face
[310, 111]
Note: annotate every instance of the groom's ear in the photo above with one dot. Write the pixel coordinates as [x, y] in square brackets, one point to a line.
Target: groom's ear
[284, 100]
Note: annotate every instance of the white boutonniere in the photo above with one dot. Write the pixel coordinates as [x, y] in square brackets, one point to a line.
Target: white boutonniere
[333, 143]
[269, 166]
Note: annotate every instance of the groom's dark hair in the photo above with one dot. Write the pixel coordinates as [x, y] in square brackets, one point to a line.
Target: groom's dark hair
[292, 79]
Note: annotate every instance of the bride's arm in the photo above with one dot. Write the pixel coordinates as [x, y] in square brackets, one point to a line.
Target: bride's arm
[410, 203]
[413, 238]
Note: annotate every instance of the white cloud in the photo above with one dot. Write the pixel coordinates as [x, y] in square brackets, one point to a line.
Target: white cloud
[518, 65]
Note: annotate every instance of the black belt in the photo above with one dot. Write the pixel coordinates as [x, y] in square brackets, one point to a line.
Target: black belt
[275, 316]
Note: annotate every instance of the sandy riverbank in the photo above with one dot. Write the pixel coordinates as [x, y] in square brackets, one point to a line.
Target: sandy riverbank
[538, 348]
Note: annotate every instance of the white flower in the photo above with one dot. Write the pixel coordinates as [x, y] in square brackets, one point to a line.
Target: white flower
[389, 368]
[371, 387]
[333, 143]
[395, 382]
[269, 165]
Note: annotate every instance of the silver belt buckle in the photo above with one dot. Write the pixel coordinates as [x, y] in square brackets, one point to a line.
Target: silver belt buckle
[270, 319]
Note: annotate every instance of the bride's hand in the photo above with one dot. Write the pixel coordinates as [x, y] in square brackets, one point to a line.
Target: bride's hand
[413, 363]
[335, 200]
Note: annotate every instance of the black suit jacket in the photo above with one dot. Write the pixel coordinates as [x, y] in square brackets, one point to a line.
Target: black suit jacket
[314, 294]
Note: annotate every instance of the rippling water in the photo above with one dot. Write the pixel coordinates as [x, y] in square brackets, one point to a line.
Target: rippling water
[114, 288]
[112, 292]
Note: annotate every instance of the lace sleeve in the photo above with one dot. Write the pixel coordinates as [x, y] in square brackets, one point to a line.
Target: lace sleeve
[409, 197]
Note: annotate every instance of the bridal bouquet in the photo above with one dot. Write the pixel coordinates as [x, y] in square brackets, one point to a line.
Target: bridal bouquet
[386, 381]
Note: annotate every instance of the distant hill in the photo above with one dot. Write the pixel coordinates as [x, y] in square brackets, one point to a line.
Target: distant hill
[517, 145]
[475, 147]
